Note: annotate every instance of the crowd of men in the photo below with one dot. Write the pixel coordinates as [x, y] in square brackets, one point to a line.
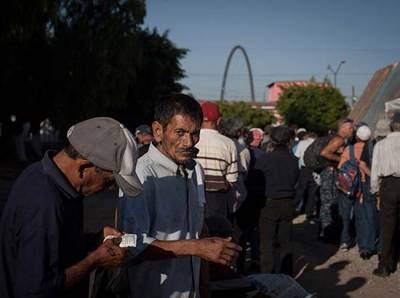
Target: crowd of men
[198, 192]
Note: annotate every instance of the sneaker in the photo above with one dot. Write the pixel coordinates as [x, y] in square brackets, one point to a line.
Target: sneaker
[381, 271]
[312, 220]
[366, 255]
[344, 247]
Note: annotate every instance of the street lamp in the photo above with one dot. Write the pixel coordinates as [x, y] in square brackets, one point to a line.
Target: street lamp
[335, 72]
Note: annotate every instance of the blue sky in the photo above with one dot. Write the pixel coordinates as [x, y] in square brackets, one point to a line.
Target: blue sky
[284, 39]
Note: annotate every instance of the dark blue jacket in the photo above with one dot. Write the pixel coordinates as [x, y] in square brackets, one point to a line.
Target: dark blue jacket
[280, 171]
[41, 234]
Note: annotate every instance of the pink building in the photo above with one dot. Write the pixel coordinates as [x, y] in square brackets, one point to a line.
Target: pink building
[275, 89]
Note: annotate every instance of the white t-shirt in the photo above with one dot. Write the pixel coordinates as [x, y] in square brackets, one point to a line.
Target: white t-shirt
[301, 148]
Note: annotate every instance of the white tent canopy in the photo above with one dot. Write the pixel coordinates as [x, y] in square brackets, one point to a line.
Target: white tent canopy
[393, 105]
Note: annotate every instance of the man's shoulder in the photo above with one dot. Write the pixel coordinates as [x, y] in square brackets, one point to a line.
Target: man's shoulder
[33, 189]
[333, 141]
[217, 137]
[227, 142]
[145, 166]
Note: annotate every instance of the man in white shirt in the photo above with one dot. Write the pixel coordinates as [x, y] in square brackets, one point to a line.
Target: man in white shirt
[306, 183]
[385, 182]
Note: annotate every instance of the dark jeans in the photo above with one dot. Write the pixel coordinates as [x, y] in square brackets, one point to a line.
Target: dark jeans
[306, 188]
[367, 221]
[346, 212]
[276, 236]
[389, 218]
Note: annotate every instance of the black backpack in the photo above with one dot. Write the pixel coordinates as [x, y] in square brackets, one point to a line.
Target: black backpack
[312, 158]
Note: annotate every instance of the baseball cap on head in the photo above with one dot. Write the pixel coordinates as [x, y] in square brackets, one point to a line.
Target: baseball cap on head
[210, 111]
[382, 128]
[143, 129]
[363, 133]
[281, 135]
[106, 143]
[301, 130]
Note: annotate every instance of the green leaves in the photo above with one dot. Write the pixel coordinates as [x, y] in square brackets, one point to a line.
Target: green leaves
[251, 117]
[316, 107]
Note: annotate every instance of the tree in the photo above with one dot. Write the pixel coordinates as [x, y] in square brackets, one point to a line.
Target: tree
[251, 117]
[71, 59]
[316, 107]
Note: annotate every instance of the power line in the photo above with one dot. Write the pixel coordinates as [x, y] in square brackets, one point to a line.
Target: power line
[280, 74]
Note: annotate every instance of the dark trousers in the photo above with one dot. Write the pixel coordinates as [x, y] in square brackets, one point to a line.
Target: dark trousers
[276, 236]
[346, 212]
[306, 188]
[367, 221]
[219, 204]
[389, 218]
[329, 213]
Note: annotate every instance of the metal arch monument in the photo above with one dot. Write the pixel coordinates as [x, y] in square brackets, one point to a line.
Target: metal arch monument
[228, 62]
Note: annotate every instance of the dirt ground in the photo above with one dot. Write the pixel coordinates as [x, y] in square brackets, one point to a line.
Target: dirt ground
[330, 272]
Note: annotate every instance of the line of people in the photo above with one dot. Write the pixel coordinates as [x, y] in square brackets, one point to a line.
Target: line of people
[164, 197]
[360, 208]
[195, 168]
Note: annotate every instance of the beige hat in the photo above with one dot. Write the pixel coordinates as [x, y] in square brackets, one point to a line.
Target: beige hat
[382, 128]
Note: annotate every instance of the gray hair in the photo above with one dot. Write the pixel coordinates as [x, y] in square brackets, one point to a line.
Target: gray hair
[230, 126]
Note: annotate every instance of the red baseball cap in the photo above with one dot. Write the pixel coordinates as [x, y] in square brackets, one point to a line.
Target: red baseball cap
[210, 111]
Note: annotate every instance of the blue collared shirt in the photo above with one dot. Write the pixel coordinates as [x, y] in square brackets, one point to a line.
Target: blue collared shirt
[170, 207]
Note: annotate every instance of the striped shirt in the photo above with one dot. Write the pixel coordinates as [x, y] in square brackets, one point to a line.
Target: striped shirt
[385, 160]
[218, 157]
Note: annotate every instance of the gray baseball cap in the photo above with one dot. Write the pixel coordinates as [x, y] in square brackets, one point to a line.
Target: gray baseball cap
[382, 128]
[109, 145]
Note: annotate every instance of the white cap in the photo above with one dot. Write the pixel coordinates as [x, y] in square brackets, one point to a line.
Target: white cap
[301, 130]
[363, 133]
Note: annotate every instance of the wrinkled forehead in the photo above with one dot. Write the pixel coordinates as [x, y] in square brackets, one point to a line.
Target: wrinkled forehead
[184, 122]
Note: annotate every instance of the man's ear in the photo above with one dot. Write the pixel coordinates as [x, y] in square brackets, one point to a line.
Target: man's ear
[83, 165]
[158, 131]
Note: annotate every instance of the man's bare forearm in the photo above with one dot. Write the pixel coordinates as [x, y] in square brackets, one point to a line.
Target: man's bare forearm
[77, 272]
[214, 249]
[159, 249]
[330, 156]
[329, 152]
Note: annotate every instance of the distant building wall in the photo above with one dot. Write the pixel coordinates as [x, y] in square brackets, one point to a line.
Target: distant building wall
[276, 88]
[384, 86]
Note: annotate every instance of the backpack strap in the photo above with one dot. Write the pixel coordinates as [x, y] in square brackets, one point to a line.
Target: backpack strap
[352, 157]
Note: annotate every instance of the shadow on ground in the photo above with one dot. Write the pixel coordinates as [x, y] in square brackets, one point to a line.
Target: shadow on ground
[312, 254]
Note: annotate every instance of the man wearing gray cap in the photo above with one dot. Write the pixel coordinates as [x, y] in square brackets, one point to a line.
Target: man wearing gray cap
[385, 182]
[167, 216]
[43, 251]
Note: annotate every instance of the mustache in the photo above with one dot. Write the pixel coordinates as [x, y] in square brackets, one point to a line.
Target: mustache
[193, 151]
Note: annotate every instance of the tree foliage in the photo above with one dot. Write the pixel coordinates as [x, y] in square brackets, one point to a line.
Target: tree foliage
[251, 117]
[73, 59]
[315, 107]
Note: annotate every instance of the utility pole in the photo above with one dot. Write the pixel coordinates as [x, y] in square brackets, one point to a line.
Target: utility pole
[353, 95]
[335, 72]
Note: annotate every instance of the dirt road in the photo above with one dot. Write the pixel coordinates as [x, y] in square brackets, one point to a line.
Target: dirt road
[330, 272]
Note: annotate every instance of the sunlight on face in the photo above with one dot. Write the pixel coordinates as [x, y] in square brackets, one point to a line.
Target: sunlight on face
[179, 138]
